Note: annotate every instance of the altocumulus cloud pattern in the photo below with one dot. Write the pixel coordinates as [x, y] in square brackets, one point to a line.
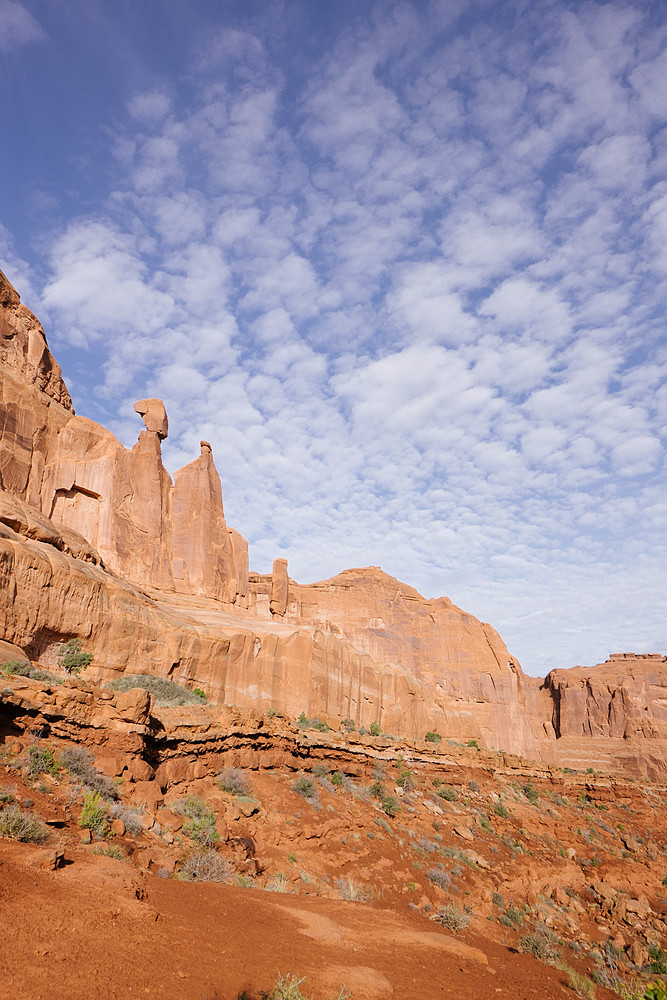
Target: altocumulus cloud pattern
[402, 264]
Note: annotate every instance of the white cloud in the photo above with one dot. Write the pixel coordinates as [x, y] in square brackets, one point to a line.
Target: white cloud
[17, 26]
[411, 290]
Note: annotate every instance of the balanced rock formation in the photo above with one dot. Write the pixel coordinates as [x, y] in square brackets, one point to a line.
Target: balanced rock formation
[97, 542]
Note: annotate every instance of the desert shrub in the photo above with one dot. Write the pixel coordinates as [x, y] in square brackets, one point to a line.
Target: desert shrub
[70, 657]
[286, 988]
[447, 793]
[352, 891]
[531, 793]
[94, 814]
[164, 690]
[376, 789]
[130, 816]
[439, 877]
[452, 917]
[206, 866]
[20, 825]
[303, 722]
[110, 851]
[473, 743]
[338, 779]
[278, 883]
[579, 982]
[542, 946]
[305, 787]
[407, 781]
[375, 729]
[501, 810]
[389, 805]
[41, 760]
[656, 991]
[234, 781]
[497, 899]
[200, 693]
[349, 725]
[18, 668]
[6, 796]
[657, 959]
[200, 820]
[80, 764]
[426, 845]
[514, 915]
[432, 737]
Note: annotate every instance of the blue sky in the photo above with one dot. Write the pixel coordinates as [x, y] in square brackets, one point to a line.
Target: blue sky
[403, 264]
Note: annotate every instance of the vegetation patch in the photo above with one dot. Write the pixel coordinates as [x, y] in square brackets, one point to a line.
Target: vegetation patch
[233, 781]
[71, 657]
[165, 691]
[20, 825]
[206, 866]
[353, 891]
[452, 917]
[95, 814]
[200, 820]
[80, 764]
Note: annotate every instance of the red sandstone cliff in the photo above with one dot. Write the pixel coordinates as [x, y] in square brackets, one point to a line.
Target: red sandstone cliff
[85, 521]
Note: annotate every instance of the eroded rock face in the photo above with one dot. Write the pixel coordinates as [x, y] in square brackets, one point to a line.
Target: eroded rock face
[156, 533]
[84, 521]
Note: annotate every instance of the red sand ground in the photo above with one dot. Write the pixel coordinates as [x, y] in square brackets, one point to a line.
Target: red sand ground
[98, 929]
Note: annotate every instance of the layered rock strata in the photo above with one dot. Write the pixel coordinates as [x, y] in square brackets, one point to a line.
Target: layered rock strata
[98, 542]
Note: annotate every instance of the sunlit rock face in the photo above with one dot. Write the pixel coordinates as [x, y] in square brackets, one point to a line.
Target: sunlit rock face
[97, 541]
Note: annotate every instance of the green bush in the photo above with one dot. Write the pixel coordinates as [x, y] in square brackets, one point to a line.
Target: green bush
[656, 991]
[473, 743]
[164, 690]
[17, 668]
[541, 946]
[200, 821]
[305, 787]
[71, 659]
[657, 960]
[41, 760]
[20, 668]
[375, 729]
[338, 778]
[94, 814]
[389, 805]
[531, 793]
[432, 737]
[447, 793]
[20, 825]
[407, 781]
[377, 789]
[501, 810]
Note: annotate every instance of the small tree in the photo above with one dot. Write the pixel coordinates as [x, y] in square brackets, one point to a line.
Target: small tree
[71, 659]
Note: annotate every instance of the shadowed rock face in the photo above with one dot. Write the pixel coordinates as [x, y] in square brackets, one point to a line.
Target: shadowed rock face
[85, 521]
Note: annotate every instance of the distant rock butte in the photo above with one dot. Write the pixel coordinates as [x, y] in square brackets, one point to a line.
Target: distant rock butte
[97, 541]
